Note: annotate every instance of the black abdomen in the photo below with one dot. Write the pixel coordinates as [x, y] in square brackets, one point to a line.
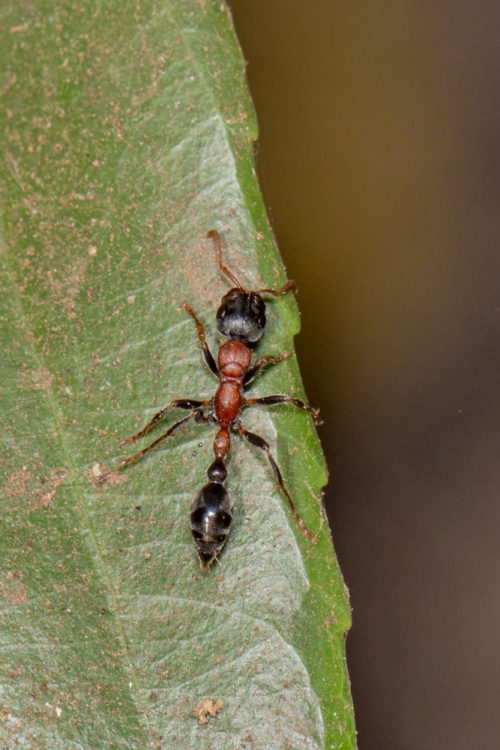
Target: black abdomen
[211, 516]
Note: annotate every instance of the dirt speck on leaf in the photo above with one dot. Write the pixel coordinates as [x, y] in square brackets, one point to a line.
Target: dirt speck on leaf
[99, 475]
[39, 490]
[35, 380]
[44, 497]
[207, 707]
[12, 589]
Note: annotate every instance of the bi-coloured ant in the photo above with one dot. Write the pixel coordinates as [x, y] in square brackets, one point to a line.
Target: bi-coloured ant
[241, 318]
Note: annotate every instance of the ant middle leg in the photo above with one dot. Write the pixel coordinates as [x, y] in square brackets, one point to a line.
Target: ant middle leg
[259, 441]
[252, 373]
[179, 403]
[275, 400]
[196, 414]
[207, 354]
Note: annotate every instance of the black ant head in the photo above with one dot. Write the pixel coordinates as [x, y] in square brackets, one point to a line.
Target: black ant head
[242, 316]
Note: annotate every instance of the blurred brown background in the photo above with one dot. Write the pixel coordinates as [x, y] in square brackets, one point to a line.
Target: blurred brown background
[379, 153]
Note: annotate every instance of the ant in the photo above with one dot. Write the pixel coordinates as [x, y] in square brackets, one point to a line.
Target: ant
[241, 317]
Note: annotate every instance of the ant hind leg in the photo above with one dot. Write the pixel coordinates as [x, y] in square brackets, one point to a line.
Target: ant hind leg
[259, 441]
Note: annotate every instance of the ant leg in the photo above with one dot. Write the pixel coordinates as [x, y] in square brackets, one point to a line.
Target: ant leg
[274, 400]
[180, 403]
[252, 373]
[203, 342]
[258, 441]
[215, 236]
[126, 461]
[278, 292]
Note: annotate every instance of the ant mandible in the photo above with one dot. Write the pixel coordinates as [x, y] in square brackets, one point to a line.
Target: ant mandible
[241, 317]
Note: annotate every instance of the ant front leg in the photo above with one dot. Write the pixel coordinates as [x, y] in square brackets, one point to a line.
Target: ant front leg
[259, 441]
[275, 400]
[207, 354]
[180, 403]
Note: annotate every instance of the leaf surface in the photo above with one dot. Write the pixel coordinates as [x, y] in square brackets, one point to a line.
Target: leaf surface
[127, 133]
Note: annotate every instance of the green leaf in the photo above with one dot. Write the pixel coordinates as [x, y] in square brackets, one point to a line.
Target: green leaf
[127, 135]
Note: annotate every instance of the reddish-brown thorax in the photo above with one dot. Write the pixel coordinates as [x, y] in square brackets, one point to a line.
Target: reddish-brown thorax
[234, 360]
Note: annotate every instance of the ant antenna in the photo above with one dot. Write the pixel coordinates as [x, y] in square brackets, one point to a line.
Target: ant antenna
[278, 292]
[215, 236]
